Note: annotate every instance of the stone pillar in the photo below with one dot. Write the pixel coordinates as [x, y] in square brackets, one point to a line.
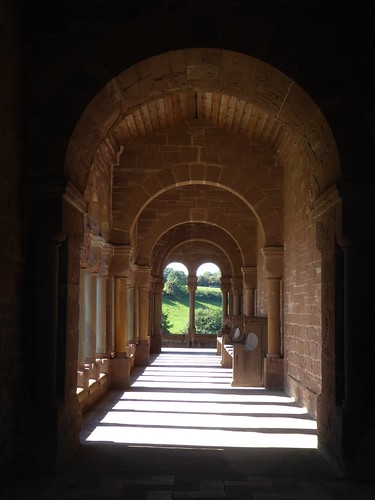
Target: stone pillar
[192, 287]
[157, 289]
[120, 268]
[90, 311]
[111, 298]
[142, 356]
[224, 287]
[236, 285]
[132, 338]
[231, 301]
[90, 317]
[249, 286]
[81, 339]
[274, 363]
[121, 340]
[101, 302]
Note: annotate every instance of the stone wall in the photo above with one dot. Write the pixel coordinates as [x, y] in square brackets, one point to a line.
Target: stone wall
[302, 292]
[12, 336]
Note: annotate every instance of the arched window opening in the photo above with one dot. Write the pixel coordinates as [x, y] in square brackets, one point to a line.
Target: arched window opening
[208, 300]
[175, 299]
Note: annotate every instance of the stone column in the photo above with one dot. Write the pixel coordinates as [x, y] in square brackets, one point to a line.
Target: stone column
[224, 287]
[142, 355]
[90, 317]
[157, 289]
[132, 338]
[192, 287]
[230, 302]
[249, 286]
[81, 338]
[120, 268]
[101, 315]
[91, 274]
[101, 302]
[121, 339]
[84, 261]
[236, 286]
[274, 364]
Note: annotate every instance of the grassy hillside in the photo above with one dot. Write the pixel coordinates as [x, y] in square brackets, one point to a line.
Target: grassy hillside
[178, 308]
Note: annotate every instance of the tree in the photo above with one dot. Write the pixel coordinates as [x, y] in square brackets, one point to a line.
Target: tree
[209, 279]
[175, 284]
[166, 325]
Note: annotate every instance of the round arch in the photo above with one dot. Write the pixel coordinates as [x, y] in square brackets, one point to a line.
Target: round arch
[197, 215]
[222, 241]
[215, 175]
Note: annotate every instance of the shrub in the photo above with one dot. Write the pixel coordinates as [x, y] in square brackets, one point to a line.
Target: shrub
[207, 320]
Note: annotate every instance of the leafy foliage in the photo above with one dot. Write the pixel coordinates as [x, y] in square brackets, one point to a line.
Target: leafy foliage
[166, 325]
[208, 294]
[207, 321]
[175, 283]
[209, 279]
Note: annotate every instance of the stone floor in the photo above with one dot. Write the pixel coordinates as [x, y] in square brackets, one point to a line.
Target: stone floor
[181, 431]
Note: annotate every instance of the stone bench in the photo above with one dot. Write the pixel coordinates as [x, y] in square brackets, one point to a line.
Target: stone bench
[245, 352]
[227, 343]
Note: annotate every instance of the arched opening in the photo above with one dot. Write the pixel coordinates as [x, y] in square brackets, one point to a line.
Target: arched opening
[209, 313]
[175, 313]
[182, 152]
[210, 171]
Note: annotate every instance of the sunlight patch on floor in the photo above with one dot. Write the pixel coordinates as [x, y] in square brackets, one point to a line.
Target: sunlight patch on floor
[184, 399]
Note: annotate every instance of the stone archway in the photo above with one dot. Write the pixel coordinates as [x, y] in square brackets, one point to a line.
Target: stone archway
[284, 158]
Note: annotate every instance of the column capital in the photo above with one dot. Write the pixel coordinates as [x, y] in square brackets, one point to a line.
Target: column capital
[122, 259]
[106, 255]
[225, 284]
[85, 248]
[95, 252]
[274, 257]
[236, 285]
[142, 276]
[192, 283]
[157, 284]
[249, 276]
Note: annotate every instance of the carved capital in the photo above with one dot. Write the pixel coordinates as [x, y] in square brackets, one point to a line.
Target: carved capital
[121, 261]
[236, 285]
[85, 248]
[274, 261]
[157, 284]
[249, 277]
[192, 283]
[225, 284]
[142, 276]
[95, 254]
[105, 259]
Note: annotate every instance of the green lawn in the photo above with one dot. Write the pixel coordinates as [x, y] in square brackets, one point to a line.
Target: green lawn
[178, 309]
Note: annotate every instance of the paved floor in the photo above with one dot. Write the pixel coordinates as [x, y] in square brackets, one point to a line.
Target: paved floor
[182, 431]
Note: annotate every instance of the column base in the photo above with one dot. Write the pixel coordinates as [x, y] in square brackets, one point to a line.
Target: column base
[142, 354]
[155, 345]
[274, 373]
[120, 372]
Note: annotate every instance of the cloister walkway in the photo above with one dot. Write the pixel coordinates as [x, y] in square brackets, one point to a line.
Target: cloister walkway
[182, 431]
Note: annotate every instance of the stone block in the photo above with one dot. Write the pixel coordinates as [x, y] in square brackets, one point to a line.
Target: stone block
[274, 373]
[120, 372]
[142, 354]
